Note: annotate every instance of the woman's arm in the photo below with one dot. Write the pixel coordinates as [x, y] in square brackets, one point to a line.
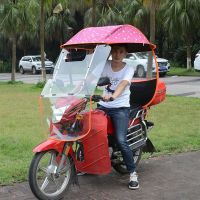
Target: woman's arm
[120, 88]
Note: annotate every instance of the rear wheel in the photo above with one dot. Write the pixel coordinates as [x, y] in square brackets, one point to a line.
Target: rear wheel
[21, 70]
[163, 74]
[44, 180]
[121, 167]
[34, 71]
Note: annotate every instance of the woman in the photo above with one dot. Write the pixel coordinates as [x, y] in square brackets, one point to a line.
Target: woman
[120, 75]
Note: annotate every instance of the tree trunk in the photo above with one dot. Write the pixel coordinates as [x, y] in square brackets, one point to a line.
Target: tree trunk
[13, 58]
[189, 65]
[93, 12]
[42, 40]
[152, 38]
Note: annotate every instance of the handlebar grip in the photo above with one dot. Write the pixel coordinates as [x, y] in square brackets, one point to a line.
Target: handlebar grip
[97, 98]
[111, 99]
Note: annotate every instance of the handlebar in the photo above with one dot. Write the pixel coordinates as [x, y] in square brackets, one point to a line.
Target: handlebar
[97, 98]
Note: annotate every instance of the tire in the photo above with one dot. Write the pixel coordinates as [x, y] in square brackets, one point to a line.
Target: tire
[163, 74]
[140, 71]
[43, 180]
[21, 70]
[121, 167]
[34, 71]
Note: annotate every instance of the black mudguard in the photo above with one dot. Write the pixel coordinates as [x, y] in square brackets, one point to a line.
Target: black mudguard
[149, 147]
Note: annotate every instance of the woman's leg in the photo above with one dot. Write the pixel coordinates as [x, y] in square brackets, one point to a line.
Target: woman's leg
[120, 119]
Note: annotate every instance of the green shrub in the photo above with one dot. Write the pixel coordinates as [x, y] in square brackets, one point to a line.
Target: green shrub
[15, 82]
[40, 84]
[5, 67]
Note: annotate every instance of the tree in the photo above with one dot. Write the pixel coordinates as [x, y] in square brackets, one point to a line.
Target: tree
[59, 24]
[136, 14]
[45, 5]
[106, 13]
[181, 18]
[142, 13]
[42, 19]
[15, 18]
[152, 5]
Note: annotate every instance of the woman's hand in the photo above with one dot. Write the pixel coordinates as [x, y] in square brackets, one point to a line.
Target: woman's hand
[108, 98]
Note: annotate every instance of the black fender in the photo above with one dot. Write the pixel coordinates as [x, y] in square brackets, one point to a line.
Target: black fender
[149, 147]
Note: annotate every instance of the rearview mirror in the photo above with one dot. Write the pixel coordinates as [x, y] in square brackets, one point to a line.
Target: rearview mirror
[103, 81]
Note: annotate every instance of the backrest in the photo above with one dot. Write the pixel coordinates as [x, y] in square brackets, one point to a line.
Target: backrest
[142, 91]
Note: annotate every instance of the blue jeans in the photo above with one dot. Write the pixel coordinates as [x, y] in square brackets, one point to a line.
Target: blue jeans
[120, 119]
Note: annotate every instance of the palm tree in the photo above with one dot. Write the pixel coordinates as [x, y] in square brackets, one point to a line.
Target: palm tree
[59, 23]
[78, 9]
[42, 19]
[181, 17]
[15, 17]
[142, 13]
[136, 14]
[45, 6]
[151, 5]
[93, 12]
[106, 12]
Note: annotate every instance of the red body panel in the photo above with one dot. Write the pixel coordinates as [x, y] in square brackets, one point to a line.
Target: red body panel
[49, 144]
[96, 151]
[160, 93]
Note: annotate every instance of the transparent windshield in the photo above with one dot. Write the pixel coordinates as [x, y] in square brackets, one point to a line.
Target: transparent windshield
[143, 64]
[142, 55]
[77, 72]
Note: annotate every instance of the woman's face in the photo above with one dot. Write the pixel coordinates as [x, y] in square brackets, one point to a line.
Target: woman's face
[118, 53]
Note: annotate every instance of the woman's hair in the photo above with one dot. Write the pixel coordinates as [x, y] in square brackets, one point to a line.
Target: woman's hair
[120, 45]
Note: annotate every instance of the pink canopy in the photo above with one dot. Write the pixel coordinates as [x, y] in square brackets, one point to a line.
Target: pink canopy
[89, 37]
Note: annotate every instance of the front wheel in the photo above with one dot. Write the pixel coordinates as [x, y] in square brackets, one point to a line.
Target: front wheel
[121, 167]
[45, 181]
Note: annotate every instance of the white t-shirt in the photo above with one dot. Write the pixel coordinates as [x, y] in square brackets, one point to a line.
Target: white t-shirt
[115, 78]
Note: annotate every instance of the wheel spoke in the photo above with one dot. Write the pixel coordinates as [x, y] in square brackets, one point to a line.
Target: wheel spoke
[55, 181]
[43, 169]
[45, 183]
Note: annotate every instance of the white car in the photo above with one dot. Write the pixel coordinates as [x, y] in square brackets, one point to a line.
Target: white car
[33, 64]
[139, 62]
[197, 61]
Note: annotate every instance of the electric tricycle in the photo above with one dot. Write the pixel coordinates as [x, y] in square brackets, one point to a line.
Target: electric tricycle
[81, 138]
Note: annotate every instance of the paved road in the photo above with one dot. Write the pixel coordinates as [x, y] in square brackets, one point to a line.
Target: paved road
[183, 86]
[175, 177]
[176, 85]
[26, 78]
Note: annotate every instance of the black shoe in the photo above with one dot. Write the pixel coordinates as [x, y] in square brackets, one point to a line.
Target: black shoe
[149, 124]
[133, 183]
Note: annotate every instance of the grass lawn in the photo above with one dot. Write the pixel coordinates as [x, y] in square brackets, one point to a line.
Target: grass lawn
[177, 128]
[183, 72]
